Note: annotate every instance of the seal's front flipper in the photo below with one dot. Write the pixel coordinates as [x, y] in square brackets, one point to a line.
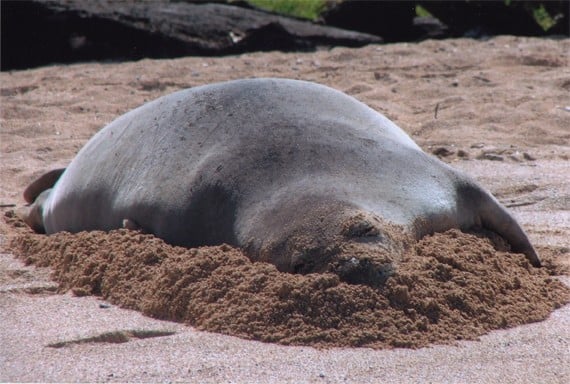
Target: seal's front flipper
[36, 194]
[44, 182]
[33, 214]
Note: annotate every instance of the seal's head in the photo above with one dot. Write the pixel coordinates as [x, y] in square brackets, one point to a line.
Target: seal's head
[316, 235]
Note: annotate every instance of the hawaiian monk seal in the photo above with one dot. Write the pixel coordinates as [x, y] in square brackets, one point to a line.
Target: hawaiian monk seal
[293, 172]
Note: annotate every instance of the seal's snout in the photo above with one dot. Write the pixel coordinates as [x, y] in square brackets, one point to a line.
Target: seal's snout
[354, 263]
[362, 249]
[363, 271]
[315, 259]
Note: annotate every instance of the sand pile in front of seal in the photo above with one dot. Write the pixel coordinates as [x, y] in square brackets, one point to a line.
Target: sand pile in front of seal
[450, 286]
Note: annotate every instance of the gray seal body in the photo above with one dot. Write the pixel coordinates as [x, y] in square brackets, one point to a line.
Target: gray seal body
[261, 164]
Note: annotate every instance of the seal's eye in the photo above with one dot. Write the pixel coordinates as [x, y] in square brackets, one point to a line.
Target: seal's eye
[360, 227]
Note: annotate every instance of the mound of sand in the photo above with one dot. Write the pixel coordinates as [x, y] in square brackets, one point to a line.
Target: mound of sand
[450, 286]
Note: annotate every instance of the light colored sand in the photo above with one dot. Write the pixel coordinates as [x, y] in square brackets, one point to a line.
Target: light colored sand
[506, 96]
[528, 354]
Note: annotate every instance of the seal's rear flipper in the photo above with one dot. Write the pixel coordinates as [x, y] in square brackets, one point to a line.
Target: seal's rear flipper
[46, 181]
[33, 213]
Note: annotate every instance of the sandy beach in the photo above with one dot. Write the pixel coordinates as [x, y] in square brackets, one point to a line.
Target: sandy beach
[497, 109]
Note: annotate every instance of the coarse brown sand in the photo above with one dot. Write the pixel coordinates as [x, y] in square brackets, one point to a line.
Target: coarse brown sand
[449, 287]
[497, 109]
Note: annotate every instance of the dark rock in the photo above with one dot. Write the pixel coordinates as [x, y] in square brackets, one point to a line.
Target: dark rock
[442, 152]
[490, 156]
[463, 154]
[397, 21]
[528, 156]
[393, 20]
[478, 18]
[38, 32]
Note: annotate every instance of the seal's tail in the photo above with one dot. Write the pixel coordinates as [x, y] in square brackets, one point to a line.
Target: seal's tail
[44, 182]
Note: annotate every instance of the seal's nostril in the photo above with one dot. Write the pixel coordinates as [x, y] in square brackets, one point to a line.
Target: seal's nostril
[354, 271]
